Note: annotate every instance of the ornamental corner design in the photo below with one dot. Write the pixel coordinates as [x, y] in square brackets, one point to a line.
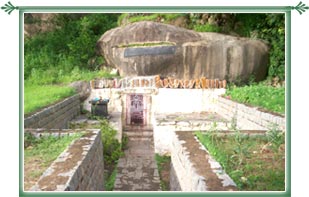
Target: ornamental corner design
[9, 7]
[300, 8]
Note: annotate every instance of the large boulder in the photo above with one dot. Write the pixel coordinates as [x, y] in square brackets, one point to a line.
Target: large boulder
[150, 48]
[82, 88]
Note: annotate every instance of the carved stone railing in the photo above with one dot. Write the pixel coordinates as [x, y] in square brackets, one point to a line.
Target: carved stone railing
[154, 82]
[147, 82]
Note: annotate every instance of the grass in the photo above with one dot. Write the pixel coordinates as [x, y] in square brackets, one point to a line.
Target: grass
[252, 162]
[58, 76]
[47, 87]
[41, 152]
[39, 96]
[260, 95]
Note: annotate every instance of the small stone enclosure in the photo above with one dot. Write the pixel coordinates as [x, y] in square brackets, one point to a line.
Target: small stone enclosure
[169, 112]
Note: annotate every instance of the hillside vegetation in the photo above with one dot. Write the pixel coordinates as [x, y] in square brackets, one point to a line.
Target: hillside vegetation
[64, 50]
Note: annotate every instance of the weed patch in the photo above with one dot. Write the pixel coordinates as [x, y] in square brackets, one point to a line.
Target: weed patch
[250, 161]
[112, 151]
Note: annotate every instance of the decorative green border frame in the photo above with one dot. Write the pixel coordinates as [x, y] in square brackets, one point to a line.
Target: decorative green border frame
[300, 8]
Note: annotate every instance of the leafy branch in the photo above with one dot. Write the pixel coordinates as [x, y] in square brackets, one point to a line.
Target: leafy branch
[300, 8]
[9, 7]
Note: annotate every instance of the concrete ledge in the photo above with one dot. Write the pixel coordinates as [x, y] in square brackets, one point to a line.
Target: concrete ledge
[79, 168]
[116, 123]
[193, 169]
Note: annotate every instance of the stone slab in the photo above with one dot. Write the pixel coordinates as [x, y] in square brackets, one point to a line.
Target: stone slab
[140, 51]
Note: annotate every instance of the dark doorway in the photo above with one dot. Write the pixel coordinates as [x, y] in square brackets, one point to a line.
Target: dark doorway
[136, 109]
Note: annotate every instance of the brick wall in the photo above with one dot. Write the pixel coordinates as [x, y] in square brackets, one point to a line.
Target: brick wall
[55, 116]
[79, 168]
[248, 117]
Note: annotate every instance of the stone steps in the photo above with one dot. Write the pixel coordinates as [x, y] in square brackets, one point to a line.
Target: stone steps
[136, 133]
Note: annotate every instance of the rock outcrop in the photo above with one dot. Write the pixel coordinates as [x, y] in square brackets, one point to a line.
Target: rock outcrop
[150, 48]
[82, 88]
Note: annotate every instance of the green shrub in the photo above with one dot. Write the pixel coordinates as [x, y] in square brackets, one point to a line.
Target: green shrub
[275, 137]
[271, 28]
[260, 95]
[51, 55]
[157, 17]
[112, 149]
[207, 28]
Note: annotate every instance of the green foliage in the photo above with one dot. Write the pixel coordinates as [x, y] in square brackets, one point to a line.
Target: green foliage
[261, 95]
[52, 57]
[36, 97]
[112, 149]
[121, 18]
[157, 17]
[68, 50]
[212, 132]
[240, 147]
[207, 28]
[110, 181]
[271, 28]
[144, 17]
[275, 137]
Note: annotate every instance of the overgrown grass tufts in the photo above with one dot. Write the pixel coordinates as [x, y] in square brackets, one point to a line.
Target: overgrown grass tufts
[251, 162]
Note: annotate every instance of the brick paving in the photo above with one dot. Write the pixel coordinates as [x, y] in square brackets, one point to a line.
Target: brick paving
[137, 170]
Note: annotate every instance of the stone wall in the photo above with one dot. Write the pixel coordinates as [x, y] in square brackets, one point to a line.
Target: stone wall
[174, 183]
[55, 116]
[162, 100]
[165, 125]
[189, 169]
[79, 168]
[248, 117]
[185, 100]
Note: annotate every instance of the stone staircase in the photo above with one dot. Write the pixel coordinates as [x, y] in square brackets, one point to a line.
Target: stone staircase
[138, 133]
